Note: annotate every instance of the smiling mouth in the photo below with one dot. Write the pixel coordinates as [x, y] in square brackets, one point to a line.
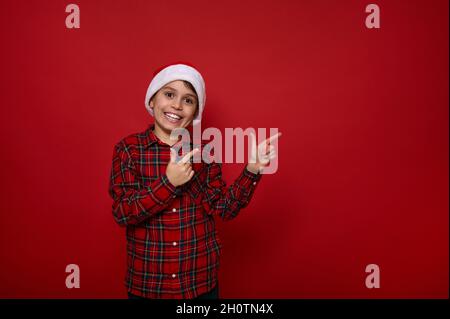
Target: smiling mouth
[171, 117]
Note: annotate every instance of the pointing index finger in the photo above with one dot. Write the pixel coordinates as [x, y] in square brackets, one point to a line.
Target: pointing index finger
[274, 137]
[186, 157]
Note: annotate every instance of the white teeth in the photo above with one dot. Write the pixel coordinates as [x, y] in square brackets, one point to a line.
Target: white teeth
[173, 116]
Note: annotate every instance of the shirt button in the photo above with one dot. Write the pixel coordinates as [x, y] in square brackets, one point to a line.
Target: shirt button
[254, 183]
[174, 243]
[174, 196]
[173, 275]
[174, 210]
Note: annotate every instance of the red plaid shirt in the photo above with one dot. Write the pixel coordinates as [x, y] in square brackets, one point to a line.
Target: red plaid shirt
[172, 245]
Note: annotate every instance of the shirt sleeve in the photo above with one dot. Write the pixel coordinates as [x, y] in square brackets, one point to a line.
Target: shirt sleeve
[224, 201]
[133, 202]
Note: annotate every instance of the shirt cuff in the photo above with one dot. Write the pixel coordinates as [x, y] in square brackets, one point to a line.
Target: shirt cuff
[163, 190]
[168, 184]
[251, 178]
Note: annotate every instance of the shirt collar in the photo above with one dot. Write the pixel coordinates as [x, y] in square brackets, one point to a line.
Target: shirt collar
[151, 138]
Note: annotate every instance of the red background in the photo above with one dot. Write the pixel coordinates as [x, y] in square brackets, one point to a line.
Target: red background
[363, 161]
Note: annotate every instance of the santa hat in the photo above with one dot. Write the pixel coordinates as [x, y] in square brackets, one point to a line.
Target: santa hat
[174, 72]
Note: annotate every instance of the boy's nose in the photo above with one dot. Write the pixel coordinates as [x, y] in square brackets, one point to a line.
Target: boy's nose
[177, 105]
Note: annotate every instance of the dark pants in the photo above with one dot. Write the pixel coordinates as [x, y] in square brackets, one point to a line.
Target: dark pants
[213, 294]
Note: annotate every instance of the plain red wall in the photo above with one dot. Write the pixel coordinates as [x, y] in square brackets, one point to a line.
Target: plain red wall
[363, 161]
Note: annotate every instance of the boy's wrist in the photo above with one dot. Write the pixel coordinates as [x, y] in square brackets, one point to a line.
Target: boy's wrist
[252, 169]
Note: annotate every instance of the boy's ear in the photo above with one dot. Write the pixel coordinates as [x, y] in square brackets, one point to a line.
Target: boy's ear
[150, 103]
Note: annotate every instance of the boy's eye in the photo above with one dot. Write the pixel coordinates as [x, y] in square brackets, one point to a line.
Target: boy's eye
[168, 94]
[189, 101]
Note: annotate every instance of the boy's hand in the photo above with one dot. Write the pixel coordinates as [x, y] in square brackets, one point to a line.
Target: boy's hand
[261, 155]
[180, 172]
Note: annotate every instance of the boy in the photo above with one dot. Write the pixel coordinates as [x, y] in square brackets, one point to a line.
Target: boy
[167, 204]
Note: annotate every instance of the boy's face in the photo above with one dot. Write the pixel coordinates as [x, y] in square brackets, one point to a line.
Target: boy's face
[174, 106]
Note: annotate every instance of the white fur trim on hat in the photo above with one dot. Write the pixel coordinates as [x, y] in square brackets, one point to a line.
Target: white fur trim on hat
[178, 72]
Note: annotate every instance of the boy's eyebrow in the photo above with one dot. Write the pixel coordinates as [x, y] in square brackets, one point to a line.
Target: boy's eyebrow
[169, 87]
[191, 95]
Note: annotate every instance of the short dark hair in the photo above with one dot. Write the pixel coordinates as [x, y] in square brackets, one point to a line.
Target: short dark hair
[191, 87]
